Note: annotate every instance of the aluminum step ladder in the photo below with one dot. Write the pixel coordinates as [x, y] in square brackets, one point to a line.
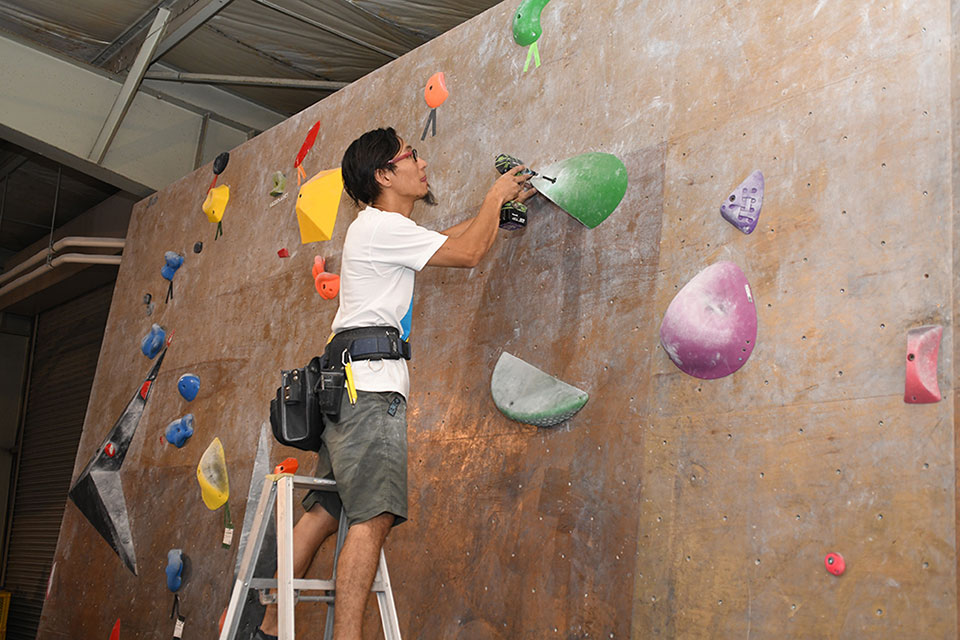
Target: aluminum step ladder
[279, 488]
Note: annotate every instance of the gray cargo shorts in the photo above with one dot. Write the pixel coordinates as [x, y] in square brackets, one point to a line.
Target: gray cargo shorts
[366, 453]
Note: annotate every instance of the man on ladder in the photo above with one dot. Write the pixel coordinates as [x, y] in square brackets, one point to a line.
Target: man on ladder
[365, 451]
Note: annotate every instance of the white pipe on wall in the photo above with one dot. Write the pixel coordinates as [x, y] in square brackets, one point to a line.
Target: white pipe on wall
[72, 258]
[69, 241]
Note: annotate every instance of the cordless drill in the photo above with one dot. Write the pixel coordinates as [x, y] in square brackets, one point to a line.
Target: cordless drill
[513, 215]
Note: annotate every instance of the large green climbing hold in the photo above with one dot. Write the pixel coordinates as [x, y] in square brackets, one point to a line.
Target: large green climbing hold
[588, 187]
[526, 22]
[526, 394]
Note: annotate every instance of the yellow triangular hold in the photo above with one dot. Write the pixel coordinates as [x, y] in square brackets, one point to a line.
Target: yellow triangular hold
[216, 202]
[317, 205]
[212, 476]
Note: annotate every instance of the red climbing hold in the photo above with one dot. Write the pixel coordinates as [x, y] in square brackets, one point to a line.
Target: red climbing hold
[923, 344]
[307, 144]
[115, 634]
[283, 253]
[835, 564]
[290, 465]
[144, 388]
[110, 449]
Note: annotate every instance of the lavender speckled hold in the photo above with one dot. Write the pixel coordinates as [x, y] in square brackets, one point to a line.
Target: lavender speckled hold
[742, 207]
[710, 327]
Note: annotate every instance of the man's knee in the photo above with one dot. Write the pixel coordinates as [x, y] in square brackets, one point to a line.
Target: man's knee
[376, 527]
[315, 525]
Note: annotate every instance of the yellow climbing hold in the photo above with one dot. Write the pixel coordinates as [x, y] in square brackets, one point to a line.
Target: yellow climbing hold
[317, 205]
[216, 202]
[212, 476]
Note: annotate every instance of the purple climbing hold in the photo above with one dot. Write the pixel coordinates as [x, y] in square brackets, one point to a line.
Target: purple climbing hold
[742, 207]
[179, 431]
[710, 327]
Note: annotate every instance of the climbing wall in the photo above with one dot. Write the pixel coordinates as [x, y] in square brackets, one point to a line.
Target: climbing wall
[669, 506]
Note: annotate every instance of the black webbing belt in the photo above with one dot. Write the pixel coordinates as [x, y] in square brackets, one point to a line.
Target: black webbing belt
[368, 343]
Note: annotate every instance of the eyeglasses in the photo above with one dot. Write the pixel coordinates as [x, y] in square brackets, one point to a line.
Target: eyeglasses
[412, 152]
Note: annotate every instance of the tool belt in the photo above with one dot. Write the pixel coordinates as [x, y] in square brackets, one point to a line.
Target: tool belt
[363, 343]
[309, 396]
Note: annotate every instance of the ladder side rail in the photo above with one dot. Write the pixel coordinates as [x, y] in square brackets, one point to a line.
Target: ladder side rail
[248, 565]
[341, 537]
[388, 609]
[285, 596]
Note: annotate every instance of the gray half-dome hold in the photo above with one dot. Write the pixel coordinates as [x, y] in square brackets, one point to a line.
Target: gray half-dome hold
[526, 394]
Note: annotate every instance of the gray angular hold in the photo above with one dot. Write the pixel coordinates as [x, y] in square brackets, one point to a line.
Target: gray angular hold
[526, 394]
[97, 491]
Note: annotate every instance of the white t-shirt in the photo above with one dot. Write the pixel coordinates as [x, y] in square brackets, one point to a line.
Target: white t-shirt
[381, 253]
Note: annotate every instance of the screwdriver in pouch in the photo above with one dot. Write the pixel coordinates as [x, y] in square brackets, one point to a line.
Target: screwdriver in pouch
[348, 371]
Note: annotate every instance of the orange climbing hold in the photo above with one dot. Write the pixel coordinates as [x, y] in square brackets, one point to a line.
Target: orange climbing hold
[290, 465]
[436, 90]
[328, 284]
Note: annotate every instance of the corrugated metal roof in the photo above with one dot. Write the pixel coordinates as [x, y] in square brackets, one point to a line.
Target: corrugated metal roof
[274, 38]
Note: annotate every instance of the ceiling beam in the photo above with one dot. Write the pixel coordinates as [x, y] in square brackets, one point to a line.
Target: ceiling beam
[187, 22]
[11, 164]
[211, 78]
[323, 27]
[130, 33]
[129, 89]
[54, 106]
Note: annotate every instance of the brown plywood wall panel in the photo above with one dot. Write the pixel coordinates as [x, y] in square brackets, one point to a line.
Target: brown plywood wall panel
[669, 506]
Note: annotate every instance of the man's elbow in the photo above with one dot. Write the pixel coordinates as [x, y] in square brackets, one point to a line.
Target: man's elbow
[473, 258]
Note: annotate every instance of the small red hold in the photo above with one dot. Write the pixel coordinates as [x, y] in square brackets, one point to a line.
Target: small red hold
[110, 449]
[283, 253]
[145, 388]
[835, 564]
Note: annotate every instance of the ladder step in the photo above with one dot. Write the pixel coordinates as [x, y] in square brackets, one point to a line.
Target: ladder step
[271, 598]
[303, 584]
[298, 584]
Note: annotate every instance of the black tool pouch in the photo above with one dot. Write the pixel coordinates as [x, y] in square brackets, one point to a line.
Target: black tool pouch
[295, 414]
[332, 383]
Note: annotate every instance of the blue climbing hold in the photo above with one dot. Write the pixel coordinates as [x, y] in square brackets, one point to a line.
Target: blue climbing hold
[173, 260]
[189, 386]
[153, 342]
[179, 431]
[174, 569]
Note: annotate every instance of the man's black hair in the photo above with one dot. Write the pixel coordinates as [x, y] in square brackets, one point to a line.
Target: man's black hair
[363, 158]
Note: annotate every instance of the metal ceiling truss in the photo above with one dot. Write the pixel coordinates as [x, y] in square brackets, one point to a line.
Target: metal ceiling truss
[129, 88]
[258, 81]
